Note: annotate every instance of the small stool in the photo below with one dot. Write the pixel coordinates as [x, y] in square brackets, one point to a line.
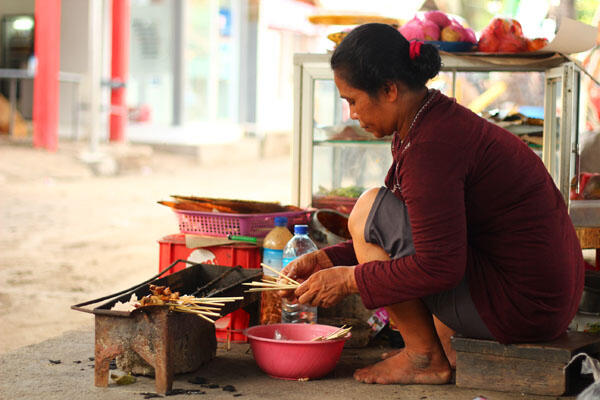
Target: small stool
[534, 368]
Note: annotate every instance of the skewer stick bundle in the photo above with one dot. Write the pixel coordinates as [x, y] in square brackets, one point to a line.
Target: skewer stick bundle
[279, 273]
[203, 307]
[270, 283]
[340, 333]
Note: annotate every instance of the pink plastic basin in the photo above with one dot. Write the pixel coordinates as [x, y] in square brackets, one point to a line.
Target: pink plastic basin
[285, 351]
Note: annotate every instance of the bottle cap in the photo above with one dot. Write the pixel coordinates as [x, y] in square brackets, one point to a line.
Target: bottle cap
[281, 221]
[300, 229]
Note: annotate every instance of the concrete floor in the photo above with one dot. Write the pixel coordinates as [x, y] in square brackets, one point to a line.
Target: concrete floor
[26, 373]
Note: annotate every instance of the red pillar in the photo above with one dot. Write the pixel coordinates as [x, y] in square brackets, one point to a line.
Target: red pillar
[45, 83]
[119, 68]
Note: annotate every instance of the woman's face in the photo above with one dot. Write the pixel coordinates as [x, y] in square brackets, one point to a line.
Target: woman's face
[373, 113]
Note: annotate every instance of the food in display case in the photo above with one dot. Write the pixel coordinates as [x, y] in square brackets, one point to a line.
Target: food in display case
[528, 129]
[348, 132]
[341, 199]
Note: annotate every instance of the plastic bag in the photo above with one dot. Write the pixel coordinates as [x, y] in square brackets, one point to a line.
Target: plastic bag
[589, 366]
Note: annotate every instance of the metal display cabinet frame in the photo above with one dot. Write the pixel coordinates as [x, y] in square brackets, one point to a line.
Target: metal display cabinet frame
[561, 124]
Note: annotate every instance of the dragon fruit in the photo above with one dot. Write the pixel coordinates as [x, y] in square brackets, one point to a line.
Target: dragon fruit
[469, 36]
[413, 30]
[431, 30]
[438, 18]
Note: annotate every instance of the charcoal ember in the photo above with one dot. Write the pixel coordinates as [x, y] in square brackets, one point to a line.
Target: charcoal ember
[77, 362]
[55, 361]
[229, 388]
[211, 386]
[149, 395]
[237, 395]
[176, 392]
[112, 365]
[91, 358]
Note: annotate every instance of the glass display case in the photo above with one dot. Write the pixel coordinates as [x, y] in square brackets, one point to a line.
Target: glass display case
[334, 160]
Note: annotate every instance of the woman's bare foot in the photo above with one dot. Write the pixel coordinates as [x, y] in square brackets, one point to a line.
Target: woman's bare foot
[445, 334]
[390, 353]
[406, 367]
[449, 351]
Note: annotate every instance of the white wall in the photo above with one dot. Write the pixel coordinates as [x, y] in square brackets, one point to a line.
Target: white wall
[16, 7]
[73, 58]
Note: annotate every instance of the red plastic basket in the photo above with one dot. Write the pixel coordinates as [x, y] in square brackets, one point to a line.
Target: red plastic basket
[223, 224]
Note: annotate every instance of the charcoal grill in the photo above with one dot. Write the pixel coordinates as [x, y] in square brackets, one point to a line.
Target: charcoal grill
[168, 341]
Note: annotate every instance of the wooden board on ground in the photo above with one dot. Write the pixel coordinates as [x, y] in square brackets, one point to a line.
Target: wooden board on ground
[536, 368]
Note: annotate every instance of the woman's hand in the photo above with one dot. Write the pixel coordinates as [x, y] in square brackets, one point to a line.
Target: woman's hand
[327, 287]
[303, 267]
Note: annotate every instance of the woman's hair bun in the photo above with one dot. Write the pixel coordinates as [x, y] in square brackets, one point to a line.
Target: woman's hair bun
[373, 54]
[428, 64]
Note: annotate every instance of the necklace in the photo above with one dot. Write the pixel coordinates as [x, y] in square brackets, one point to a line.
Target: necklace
[425, 103]
[396, 188]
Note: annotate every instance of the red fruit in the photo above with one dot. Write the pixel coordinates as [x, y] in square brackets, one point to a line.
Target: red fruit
[499, 27]
[512, 44]
[536, 44]
[515, 27]
[488, 43]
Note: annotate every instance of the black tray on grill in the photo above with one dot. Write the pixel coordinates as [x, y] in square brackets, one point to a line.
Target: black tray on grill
[198, 279]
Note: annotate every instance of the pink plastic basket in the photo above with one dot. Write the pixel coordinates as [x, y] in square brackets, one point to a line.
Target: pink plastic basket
[223, 224]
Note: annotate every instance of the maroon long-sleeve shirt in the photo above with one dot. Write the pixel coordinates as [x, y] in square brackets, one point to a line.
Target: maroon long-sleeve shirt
[482, 205]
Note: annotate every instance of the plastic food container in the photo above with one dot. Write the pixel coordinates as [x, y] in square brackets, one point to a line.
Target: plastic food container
[285, 351]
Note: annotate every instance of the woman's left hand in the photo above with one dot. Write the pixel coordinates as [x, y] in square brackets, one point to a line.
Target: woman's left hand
[327, 287]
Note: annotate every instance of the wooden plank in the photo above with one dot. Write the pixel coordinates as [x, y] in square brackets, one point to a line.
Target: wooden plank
[589, 237]
[560, 350]
[486, 371]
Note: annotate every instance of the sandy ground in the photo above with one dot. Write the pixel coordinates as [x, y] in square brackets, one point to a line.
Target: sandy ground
[68, 235]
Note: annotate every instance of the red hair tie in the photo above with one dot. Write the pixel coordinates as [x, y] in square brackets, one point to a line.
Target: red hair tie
[414, 49]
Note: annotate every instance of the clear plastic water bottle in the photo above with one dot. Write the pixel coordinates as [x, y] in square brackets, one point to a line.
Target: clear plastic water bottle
[273, 244]
[292, 311]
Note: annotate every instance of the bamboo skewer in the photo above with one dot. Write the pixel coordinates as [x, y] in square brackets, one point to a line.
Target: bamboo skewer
[265, 289]
[203, 307]
[341, 332]
[279, 273]
[255, 283]
[263, 286]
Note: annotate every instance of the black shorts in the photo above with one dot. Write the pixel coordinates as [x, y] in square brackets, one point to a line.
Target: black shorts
[388, 226]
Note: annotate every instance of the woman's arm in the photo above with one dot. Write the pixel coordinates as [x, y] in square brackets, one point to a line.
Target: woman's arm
[341, 253]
